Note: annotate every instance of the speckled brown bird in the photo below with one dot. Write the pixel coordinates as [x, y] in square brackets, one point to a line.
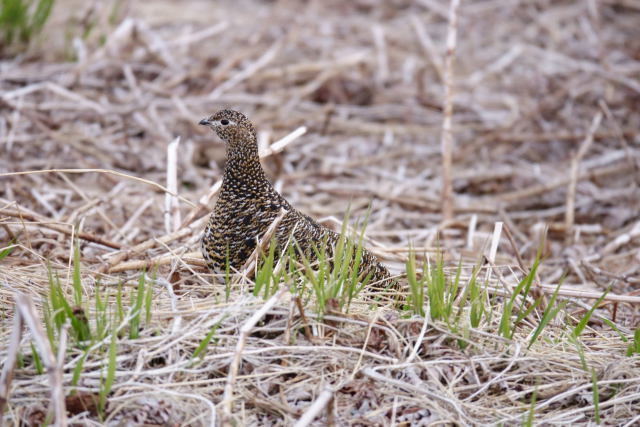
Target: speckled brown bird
[248, 204]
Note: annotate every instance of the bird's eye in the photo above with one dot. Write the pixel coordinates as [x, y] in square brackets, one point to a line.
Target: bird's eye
[224, 122]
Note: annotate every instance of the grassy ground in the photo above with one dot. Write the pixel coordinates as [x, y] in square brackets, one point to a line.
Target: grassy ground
[521, 308]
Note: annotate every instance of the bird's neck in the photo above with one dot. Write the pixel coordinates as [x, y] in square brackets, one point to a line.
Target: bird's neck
[243, 165]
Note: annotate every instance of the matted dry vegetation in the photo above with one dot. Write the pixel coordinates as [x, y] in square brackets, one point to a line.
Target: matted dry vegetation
[546, 132]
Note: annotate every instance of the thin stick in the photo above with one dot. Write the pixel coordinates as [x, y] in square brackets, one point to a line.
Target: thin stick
[237, 356]
[575, 293]
[495, 240]
[46, 223]
[622, 239]
[514, 246]
[428, 46]
[171, 208]
[447, 137]
[59, 90]
[314, 409]
[569, 218]
[381, 54]
[419, 343]
[471, 231]
[148, 244]
[190, 258]
[305, 322]
[25, 306]
[197, 36]
[513, 196]
[493, 249]
[10, 362]
[280, 144]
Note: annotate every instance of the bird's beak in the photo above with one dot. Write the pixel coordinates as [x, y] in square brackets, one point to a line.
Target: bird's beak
[205, 122]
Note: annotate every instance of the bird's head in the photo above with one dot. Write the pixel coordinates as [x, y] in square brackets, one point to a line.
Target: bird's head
[231, 126]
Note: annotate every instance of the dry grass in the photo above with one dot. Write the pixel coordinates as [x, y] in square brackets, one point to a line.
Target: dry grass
[545, 127]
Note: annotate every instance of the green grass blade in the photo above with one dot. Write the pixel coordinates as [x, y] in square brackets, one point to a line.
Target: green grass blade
[106, 386]
[148, 299]
[507, 327]
[49, 322]
[585, 319]
[583, 360]
[549, 314]
[528, 311]
[265, 271]
[634, 347]
[37, 363]
[436, 289]
[596, 395]
[77, 283]
[615, 329]
[531, 415]
[77, 370]
[100, 306]
[136, 310]
[40, 15]
[416, 287]
[119, 305]
[452, 292]
[202, 347]
[7, 251]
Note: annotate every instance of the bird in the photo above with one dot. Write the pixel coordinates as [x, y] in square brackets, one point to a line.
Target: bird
[248, 204]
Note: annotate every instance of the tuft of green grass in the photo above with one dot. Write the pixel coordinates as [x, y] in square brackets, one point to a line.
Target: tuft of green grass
[334, 275]
[141, 301]
[473, 293]
[60, 309]
[507, 324]
[21, 21]
[442, 291]
[446, 301]
[57, 311]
